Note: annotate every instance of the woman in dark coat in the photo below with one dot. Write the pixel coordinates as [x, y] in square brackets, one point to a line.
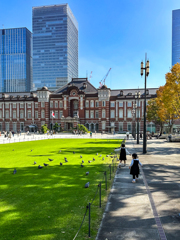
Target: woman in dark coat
[134, 167]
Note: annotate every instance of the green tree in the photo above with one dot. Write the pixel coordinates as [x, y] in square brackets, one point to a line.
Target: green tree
[55, 127]
[44, 128]
[82, 128]
[153, 113]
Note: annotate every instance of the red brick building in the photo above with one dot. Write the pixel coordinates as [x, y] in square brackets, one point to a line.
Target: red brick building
[79, 101]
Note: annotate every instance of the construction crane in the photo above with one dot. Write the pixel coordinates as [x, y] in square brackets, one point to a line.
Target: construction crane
[102, 82]
[90, 77]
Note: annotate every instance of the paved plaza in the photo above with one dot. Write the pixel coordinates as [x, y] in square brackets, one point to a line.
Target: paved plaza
[150, 208]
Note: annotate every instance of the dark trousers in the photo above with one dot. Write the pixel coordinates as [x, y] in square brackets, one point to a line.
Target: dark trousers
[135, 175]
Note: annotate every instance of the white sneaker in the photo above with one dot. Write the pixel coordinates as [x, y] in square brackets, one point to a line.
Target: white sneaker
[133, 181]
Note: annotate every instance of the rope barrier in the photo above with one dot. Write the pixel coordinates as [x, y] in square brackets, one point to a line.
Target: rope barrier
[81, 223]
[95, 194]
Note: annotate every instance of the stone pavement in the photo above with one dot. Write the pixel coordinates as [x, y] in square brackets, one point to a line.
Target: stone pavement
[150, 208]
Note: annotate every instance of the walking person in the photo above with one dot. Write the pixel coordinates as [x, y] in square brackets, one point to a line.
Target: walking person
[127, 135]
[134, 167]
[123, 153]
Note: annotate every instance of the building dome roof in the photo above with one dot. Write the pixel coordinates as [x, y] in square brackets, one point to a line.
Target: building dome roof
[44, 88]
[104, 87]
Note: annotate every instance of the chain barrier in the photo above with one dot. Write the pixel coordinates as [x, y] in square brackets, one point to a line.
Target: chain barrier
[81, 223]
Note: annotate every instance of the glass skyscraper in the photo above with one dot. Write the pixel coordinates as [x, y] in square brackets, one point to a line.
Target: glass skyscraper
[175, 36]
[55, 46]
[15, 60]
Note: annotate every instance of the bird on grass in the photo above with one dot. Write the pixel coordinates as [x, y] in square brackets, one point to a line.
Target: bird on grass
[82, 165]
[50, 159]
[59, 151]
[103, 158]
[82, 161]
[100, 155]
[39, 167]
[87, 184]
[66, 160]
[45, 164]
[107, 155]
[73, 152]
[15, 171]
[93, 159]
[87, 173]
[31, 150]
[34, 163]
[89, 161]
[80, 156]
[61, 164]
[96, 153]
[13, 149]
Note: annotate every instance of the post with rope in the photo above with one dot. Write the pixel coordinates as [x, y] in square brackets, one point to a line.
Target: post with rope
[100, 194]
[110, 170]
[89, 219]
[105, 173]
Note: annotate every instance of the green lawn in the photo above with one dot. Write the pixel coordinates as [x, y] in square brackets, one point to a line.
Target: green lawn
[49, 203]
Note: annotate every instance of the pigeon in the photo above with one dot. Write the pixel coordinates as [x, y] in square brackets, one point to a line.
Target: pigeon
[87, 173]
[15, 171]
[82, 161]
[73, 152]
[34, 163]
[50, 159]
[87, 185]
[100, 155]
[31, 150]
[93, 159]
[66, 160]
[59, 151]
[96, 153]
[89, 161]
[80, 156]
[39, 167]
[61, 164]
[82, 165]
[46, 164]
[107, 155]
[13, 149]
[103, 158]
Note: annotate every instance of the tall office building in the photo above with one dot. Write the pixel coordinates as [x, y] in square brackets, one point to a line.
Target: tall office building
[15, 60]
[55, 46]
[175, 36]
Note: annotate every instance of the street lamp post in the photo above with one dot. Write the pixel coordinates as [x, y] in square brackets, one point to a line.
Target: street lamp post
[134, 118]
[146, 68]
[137, 96]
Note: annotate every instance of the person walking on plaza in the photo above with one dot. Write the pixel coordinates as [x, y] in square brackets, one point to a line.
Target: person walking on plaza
[134, 167]
[127, 135]
[123, 153]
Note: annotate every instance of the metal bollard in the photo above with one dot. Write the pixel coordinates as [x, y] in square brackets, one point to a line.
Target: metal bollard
[110, 171]
[100, 194]
[89, 219]
[105, 173]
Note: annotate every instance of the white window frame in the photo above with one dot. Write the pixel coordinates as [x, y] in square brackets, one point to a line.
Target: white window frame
[21, 105]
[29, 105]
[87, 104]
[7, 114]
[129, 124]
[103, 125]
[112, 114]
[21, 112]
[92, 103]
[6, 105]
[60, 114]
[92, 114]
[61, 104]
[120, 126]
[29, 115]
[121, 113]
[36, 105]
[7, 126]
[14, 115]
[120, 104]
[129, 104]
[103, 113]
[97, 103]
[36, 114]
[14, 105]
[56, 114]
[51, 104]
[97, 114]
[87, 113]
[129, 113]
[103, 103]
[56, 104]
[112, 104]
[14, 126]
[42, 114]
[42, 104]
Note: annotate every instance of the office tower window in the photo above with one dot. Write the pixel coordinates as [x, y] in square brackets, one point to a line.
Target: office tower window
[55, 46]
[15, 60]
[175, 36]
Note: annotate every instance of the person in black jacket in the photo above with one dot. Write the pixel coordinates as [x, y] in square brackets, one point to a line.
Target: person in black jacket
[134, 167]
[123, 153]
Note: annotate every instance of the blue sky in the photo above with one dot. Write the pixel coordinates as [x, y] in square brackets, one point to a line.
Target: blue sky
[112, 34]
